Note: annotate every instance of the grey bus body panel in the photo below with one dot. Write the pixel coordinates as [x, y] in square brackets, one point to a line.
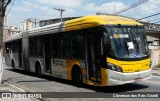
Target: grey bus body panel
[50, 29]
[14, 57]
[58, 67]
[33, 61]
[25, 52]
[16, 37]
[8, 59]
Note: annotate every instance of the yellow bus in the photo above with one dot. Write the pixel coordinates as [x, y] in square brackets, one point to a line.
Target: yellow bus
[99, 50]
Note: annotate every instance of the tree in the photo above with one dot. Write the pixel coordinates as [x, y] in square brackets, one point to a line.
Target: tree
[3, 6]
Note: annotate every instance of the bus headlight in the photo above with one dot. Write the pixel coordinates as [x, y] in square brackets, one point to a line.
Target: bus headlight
[114, 67]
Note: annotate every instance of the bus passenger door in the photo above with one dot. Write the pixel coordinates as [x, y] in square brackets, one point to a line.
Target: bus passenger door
[20, 53]
[94, 56]
[47, 54]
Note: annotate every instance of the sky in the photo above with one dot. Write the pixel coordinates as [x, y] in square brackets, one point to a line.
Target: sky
[20, 10]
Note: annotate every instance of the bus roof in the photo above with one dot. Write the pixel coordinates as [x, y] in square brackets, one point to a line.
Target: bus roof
[95, 20]
[15, 37]
[78, 23]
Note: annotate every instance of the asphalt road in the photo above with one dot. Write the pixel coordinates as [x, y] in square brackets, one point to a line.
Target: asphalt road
[30, 83]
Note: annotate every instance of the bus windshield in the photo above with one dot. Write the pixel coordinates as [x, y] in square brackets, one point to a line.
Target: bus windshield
[127, 41]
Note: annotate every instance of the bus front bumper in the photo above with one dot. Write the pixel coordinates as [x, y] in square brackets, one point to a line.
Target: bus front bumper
[118, 78]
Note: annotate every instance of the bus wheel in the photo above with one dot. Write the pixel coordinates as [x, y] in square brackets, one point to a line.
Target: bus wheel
[38, 69]
[77, 77]
[13, 65]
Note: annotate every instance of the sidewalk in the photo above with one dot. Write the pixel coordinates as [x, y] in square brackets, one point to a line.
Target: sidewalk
[6, 88]
[155, 72]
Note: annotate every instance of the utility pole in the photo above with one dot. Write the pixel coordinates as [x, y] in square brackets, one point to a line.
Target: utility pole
[61, 12]
[35, 22]
[3, 6]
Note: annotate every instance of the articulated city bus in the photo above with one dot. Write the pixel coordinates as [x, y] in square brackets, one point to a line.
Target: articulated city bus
[100, 50]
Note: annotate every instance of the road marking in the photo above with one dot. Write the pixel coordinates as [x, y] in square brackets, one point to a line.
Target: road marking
[15, 87]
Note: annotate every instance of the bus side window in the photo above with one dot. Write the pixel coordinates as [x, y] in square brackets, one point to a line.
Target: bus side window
[32, 46]
[39, 47]
[66, 46]
[56, 46]
[77, 46]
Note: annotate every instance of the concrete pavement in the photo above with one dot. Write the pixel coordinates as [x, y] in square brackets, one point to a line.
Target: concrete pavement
[155, 71]
[6, 88]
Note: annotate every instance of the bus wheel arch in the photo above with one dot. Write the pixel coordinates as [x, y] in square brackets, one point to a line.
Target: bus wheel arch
[38, 68]
[76, 75]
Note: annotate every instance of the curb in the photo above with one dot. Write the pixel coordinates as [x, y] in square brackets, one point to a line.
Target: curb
[155, 74]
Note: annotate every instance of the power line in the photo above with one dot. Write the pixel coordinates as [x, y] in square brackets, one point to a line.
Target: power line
[97, 3]
[144, 11]
[154, 19]
[137, 3]
[82, 5]
[10, 7]
[156, 22]
[6, 3]
[149, 16]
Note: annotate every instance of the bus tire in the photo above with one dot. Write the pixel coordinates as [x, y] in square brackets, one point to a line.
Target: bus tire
[38, 69]
[13, 65]
[77, 77]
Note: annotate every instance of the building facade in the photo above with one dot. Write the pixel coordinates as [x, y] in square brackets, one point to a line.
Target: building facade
[9, 31]
[26, 25]
[53, 21]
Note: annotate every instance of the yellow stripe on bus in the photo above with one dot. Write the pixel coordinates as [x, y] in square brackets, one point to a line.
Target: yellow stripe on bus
[131, 66]
[96, 20]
